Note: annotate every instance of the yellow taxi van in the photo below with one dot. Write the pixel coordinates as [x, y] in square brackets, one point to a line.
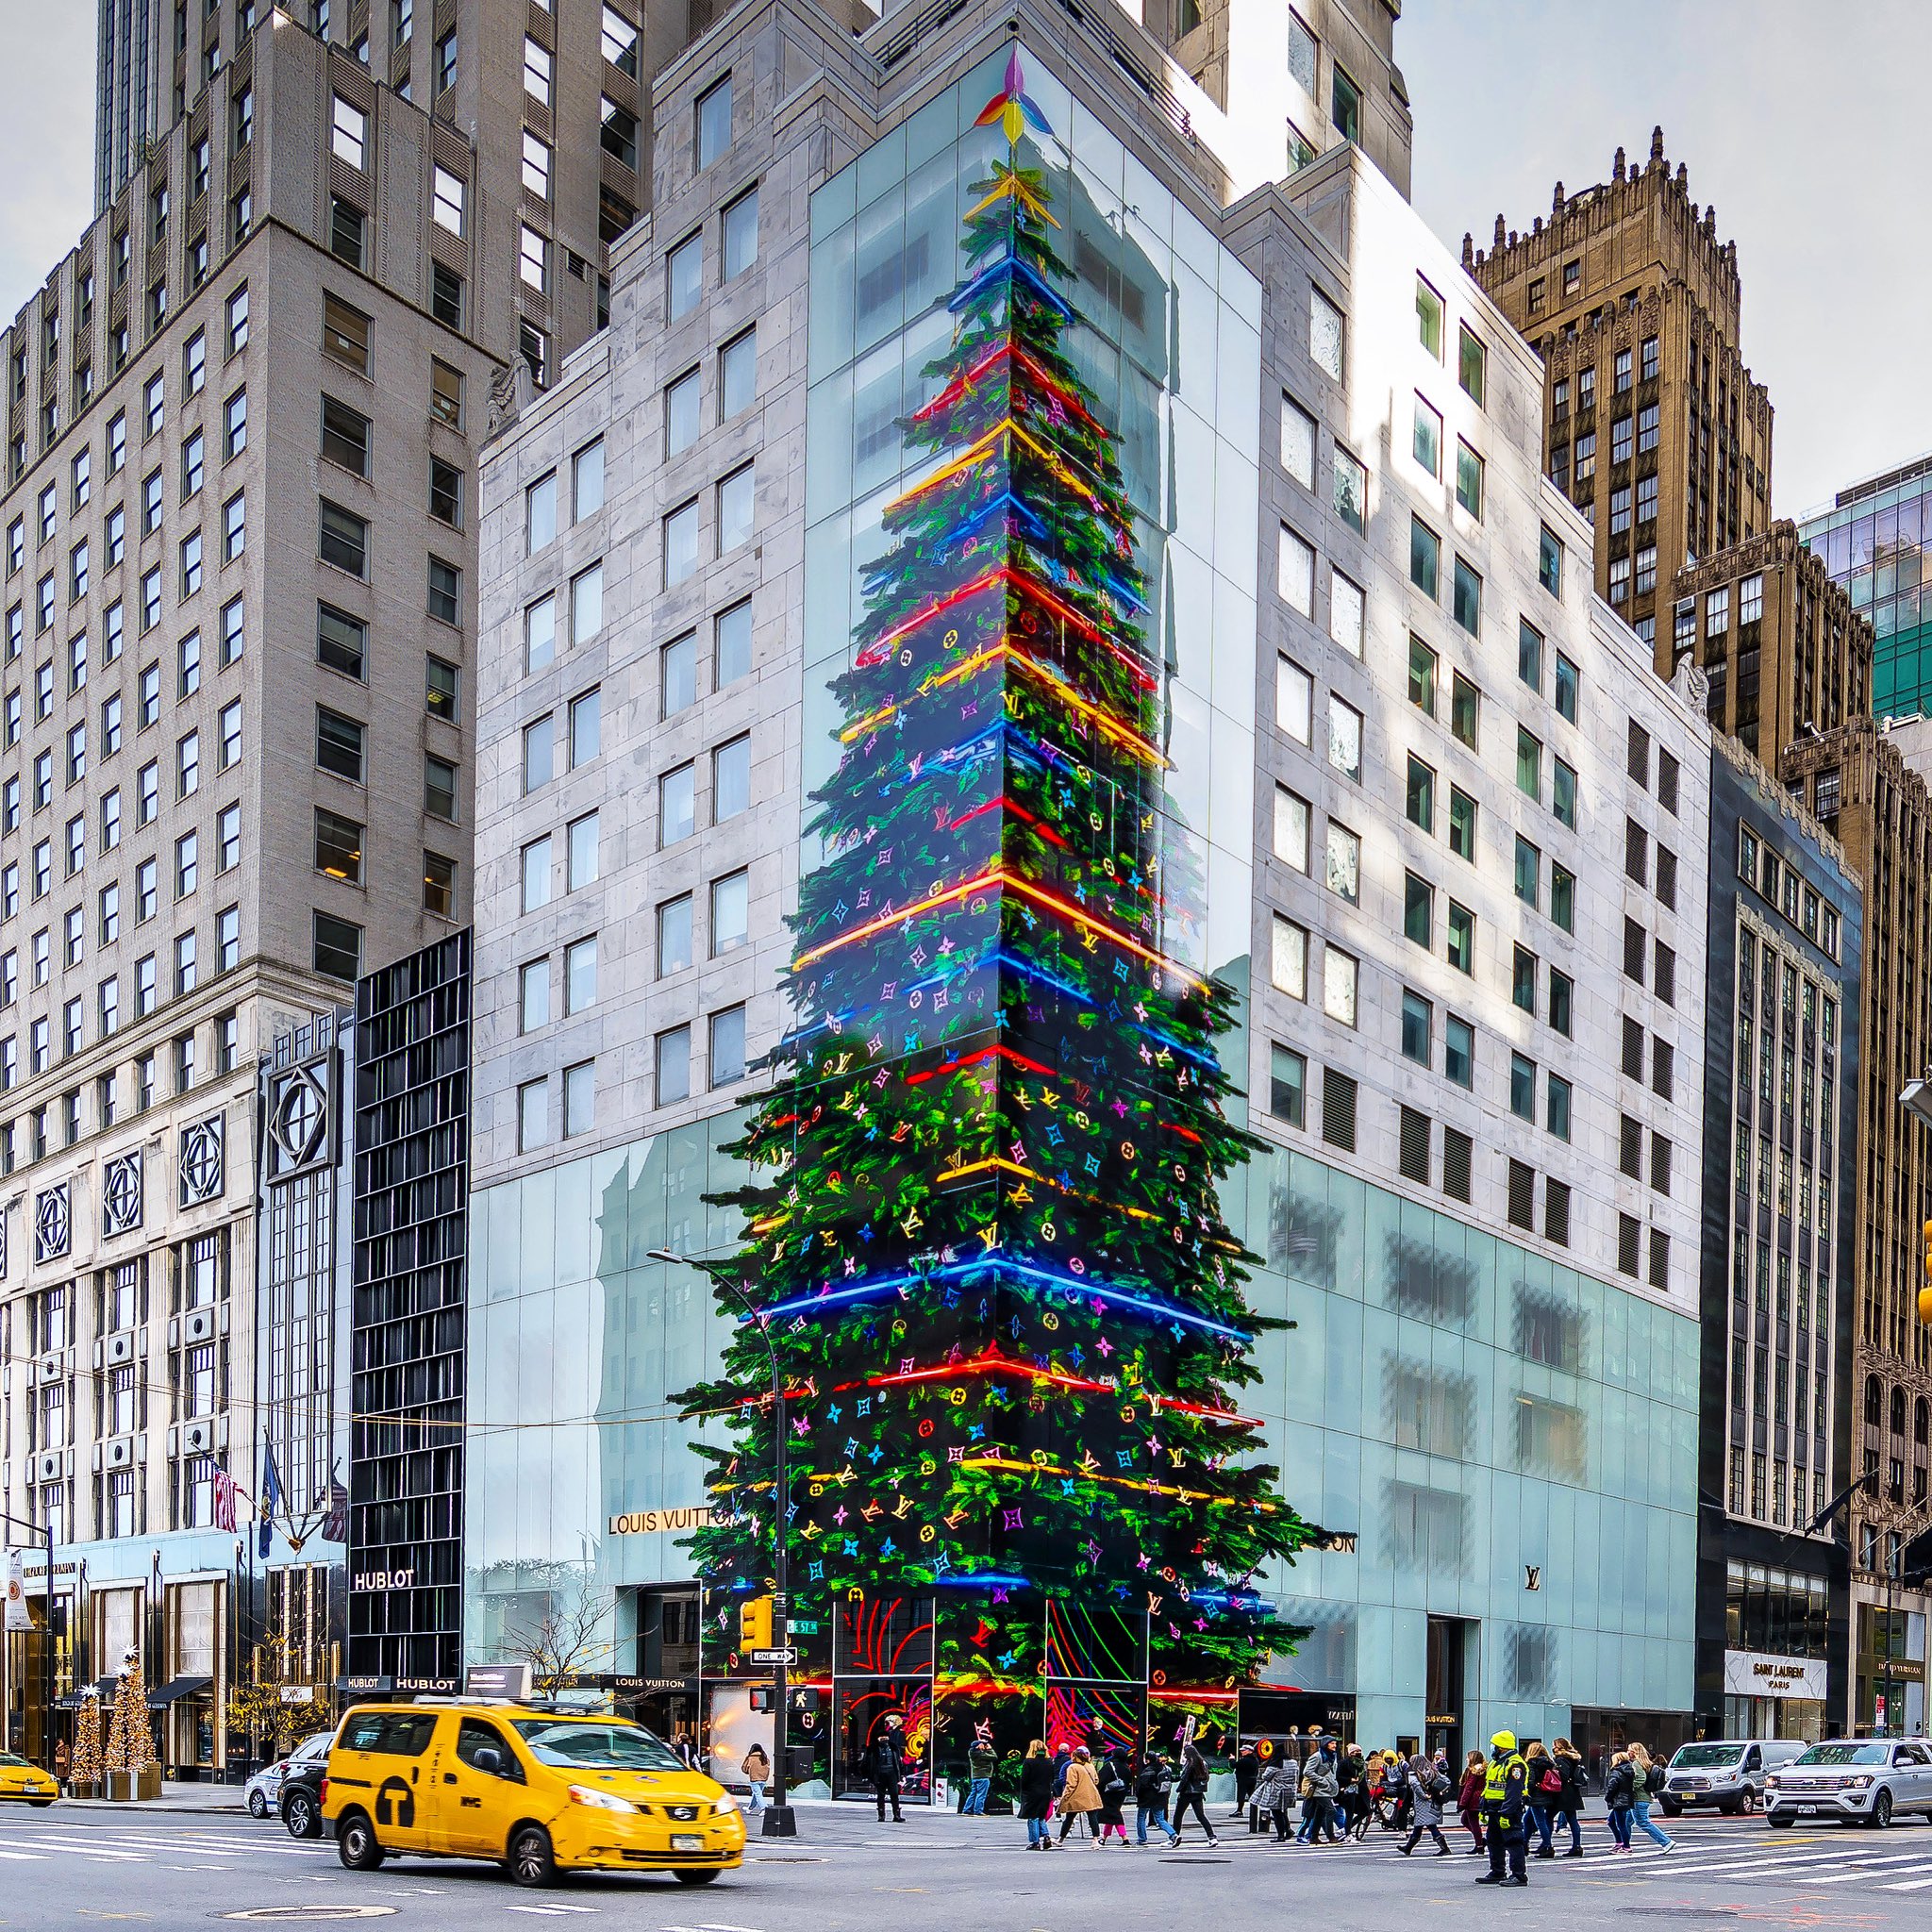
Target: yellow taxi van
[539, 1791]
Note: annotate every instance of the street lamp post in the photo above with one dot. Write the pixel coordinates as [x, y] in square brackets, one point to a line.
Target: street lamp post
[47, 1649]
[779, 1818]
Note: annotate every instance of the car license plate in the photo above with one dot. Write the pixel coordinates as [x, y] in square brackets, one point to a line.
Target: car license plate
[1808, 1810]
[686, 1841]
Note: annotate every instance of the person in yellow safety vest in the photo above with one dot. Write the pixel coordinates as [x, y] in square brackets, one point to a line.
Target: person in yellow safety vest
[1505, 1791]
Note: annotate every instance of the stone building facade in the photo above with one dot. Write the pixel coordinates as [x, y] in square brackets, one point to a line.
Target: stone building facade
[1653, 423]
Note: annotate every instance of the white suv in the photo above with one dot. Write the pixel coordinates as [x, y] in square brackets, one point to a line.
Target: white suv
[1860, 1780]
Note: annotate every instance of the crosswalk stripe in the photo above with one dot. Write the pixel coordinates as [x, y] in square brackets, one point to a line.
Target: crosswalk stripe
[26, 1857]
[1866, 1869]
[1906, 1885]
[1775, 1864]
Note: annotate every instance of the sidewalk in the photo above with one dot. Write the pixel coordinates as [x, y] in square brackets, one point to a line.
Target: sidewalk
[176, 1799]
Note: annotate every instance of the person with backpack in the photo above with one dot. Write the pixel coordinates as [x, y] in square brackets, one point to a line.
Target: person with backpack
[1650, 1785]
[1152, 1783]
[1620, 1797]
[1191, 1789]
[1568, 1805]
[1546, 1788]
[1428, 1788]
[885, 1761]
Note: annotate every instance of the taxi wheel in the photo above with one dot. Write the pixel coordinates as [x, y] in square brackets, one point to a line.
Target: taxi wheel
[355, 1843]
[530, 1859]
[694, 1878]
[39, 1804]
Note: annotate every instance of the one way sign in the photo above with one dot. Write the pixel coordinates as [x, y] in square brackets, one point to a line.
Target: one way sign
[788, 1656]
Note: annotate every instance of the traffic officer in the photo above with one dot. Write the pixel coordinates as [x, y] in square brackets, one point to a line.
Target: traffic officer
[1505, 1789]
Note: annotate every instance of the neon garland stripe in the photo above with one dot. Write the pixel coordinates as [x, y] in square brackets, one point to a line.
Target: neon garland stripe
[1143, 748]
[1062, 469]
[960, 385]
[1079, 1287]
[1059, 1472]
[1018, 811]
[1010, 187]
[973, 1060]
[1006, 266]
[1006, 1365]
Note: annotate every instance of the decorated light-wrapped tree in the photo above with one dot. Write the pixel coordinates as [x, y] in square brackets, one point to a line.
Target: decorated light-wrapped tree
[130, 1733]
[983, 1222]
[84, 1774]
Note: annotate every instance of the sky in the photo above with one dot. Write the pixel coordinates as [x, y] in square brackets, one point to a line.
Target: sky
[1803, 120]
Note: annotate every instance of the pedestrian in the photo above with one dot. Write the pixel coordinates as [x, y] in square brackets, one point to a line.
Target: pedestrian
[1650, 1785]
[1152, 1783]
[1273, 1798]
[1062, 1756]
[1568, 1810]
[982, 1760]
[1036, 1795]
[1428, 1788]
[757, 1767]
[1291, 1764]
[1469, 1800]
[1080, 1795]
[1505, 1783]
[1397, 1802]
[1619, 1795]
[1319, 1787]
[1545, 1787]
[61, 1763]
[1190, 1785]
[1111, 1774]
[885, 1762]
[1247, 1774]
[1351, 1799]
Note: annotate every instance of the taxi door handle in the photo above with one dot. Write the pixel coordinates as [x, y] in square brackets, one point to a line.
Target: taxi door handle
[449, 1777]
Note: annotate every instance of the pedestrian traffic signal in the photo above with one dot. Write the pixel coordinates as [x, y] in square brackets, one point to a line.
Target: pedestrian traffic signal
[754, 1624]
[1926, 1289]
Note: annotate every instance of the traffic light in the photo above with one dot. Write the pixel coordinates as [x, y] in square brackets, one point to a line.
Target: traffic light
[754, 1624]
[1926, 1289]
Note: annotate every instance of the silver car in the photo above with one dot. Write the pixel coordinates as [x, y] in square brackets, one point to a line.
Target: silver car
[1860, 1780]
[265, 1788]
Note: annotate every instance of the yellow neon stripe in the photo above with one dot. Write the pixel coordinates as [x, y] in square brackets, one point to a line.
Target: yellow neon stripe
[1060, 1472]
[1010, 186]
[998, 875]
[1110, 727]
[1058, 464]
[959, 1174]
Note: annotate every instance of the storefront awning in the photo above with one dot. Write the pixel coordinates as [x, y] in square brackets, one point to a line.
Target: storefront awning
[177, 1687]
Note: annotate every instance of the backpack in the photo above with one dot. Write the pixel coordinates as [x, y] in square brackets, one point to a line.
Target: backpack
[1440, 1786]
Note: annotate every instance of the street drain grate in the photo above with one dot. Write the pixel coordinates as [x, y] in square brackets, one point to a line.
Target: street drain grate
[1197, 1861]
[307, 1915]
[1691, 1912]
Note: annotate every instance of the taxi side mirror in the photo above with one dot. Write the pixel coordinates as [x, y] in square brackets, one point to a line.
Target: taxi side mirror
[488, 1760]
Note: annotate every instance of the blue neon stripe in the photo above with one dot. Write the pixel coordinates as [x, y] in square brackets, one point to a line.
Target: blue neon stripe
[1081, 1288]
[1009, 265]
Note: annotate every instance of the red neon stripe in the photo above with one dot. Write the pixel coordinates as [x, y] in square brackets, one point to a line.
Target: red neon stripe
[1018, 810]
[1188, 1133]
[980, 1365]
[973, 1060]
[876, 654]
[957, 388]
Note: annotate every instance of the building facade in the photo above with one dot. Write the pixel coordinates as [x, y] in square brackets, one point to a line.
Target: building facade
[240, 546]
[1872, 542]
[1784, 654]
[1653, 423]
[1780, 1209]
[1860, 785]
[1487, 1245]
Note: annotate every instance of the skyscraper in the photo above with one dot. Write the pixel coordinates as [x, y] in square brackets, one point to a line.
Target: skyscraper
[236, 753]
[1653, 425]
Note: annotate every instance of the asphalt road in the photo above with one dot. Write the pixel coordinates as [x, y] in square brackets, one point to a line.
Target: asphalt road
[845, 1874]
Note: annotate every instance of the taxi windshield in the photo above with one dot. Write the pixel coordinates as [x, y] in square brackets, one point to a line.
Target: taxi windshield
[10, 1762]
[594, 1746]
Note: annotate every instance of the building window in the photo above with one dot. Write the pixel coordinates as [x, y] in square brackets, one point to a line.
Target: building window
[1287, 1086]
[338, 946]
[739, 234]
[713, 122]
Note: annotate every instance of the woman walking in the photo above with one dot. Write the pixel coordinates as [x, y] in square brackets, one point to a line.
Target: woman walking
[1541, 1789]
[1650, 1785]
[757, 1767]
[1193, 1788]
[1036, 1795]
[1568, 1810]
[1469, 1800]
[1619, 1795]
[1079, 1795]
[1273, 1798]
[1111, 1775]
[1428, 1785]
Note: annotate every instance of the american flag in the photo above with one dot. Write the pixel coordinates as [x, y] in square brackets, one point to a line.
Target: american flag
[224, 1500]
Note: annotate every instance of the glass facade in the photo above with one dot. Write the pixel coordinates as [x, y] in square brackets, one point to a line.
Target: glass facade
[1166, 334]
[1873, 543]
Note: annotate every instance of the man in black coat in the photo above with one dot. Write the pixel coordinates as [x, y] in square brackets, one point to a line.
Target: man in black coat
[885, 1761]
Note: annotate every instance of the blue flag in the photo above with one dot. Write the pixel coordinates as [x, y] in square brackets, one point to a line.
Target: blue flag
[271, 1498]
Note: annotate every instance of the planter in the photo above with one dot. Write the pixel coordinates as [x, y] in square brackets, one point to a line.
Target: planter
[120, 1786]
[83, 1787]
[147, 1782]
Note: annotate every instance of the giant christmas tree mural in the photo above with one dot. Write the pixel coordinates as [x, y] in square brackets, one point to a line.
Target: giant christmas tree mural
[984, 1231]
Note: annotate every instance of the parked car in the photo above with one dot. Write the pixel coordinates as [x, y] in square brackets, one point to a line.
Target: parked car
[299, 1800]
[20, 1779]
[264, 1790]
[1728, 1772]
[1860, 1780]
